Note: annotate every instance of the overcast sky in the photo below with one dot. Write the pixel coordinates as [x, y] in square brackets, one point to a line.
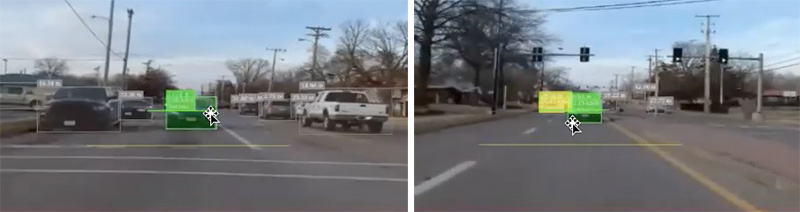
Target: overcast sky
[191, 39]
[623, 38]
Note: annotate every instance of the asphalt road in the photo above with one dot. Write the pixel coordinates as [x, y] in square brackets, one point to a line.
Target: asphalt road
[783, 133]
[453, 172]
[6, 115]
[266, 166]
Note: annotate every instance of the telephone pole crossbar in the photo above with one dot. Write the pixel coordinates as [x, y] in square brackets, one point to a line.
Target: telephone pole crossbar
[317, 32]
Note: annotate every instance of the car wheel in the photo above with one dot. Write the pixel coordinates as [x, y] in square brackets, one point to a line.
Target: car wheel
[375, 127]
[328, 123]
[36, 105]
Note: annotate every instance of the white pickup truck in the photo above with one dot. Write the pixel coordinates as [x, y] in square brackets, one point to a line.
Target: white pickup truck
[348, 108]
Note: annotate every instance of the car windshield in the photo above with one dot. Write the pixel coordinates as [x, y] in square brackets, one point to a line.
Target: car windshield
[98, 94]
[347, 97]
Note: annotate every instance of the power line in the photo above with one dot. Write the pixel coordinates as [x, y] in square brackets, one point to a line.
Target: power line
[784, 61]
[653, 3]
[89, 28]
[786, 66]
[67, 59]
[608, 5]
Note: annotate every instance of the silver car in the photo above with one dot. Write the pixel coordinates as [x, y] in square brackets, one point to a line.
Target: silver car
[280, 109]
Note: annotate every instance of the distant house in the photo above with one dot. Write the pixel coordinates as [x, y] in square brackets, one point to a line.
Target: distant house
[779, 97]
[451, 92]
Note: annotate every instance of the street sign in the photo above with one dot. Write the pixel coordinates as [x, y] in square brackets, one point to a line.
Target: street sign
[303, 97]
[644, 87]
[272, 96]
[661, 100]
[131, 94]
[48, 83]
[312, 85]
[614, 96]
[248, 98]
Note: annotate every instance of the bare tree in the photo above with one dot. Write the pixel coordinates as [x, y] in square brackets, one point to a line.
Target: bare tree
[51, 67]
[389, 46]
[248, 70]
[430, 19]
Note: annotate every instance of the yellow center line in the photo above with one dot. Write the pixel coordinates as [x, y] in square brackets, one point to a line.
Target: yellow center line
[580, 144]
[179, 145]
[702, 179]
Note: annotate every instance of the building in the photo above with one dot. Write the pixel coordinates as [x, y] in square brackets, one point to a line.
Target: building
[451, 92]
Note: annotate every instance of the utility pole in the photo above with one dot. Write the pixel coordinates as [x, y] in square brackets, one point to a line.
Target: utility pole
[757, 116]
[631, 83]
[274, 61]
[317, 33]
[222, 89]
[5, 66]
[649, 67]
[127, 48]
[721, 72]
[707, 90]
[616, 82]
[108, 43]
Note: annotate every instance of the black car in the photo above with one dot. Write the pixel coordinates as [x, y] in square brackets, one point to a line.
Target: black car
[249, 109]
[79, 109]
[135, 109]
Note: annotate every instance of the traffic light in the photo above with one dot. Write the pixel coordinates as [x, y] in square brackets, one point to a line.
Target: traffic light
[677, 55]
[584, 54]
[538, 54]
[722, 56]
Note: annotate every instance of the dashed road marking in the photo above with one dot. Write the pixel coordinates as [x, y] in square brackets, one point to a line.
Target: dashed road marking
[240, 138]
[441, 178]
[529, 131]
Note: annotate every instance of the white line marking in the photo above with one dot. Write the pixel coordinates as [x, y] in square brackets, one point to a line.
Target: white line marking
[744, 126]
[717, 125]
[529, 131]
[79, 171]
[240, 138]
[549, 120]
[202, 159]
[439, 179]
[42, 146]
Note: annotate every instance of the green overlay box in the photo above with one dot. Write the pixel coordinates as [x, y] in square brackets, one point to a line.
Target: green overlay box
[190, 118]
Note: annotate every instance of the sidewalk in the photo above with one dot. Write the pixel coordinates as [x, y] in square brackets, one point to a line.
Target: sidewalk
[785, 117]
[459, 115]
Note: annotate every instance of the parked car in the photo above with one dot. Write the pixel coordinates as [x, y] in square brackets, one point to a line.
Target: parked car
[135, 109]
[280, 109]
[31, 97]
[347, 108]
[248, 109]
[80, 109]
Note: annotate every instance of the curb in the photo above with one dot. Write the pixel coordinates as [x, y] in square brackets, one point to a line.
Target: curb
[431, 126]
[16, 127]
